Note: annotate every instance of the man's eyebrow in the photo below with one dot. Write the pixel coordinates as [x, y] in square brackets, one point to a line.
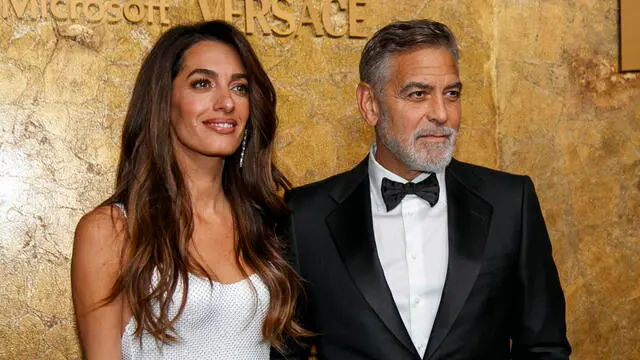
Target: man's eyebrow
[456, 84]
[416, 85]
[213, 74]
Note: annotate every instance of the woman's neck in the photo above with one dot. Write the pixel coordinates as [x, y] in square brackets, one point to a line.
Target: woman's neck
[203, 179]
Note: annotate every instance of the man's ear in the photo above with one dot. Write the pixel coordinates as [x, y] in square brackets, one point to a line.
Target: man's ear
[367, 103]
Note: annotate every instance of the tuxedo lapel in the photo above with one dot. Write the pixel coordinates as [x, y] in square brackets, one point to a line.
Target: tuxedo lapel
[351, 226]
[468, 225]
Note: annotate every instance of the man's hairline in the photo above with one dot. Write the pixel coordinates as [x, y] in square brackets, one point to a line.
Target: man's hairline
[378, 81]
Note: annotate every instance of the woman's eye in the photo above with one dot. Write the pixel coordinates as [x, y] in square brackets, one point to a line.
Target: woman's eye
[201, 83]
[242, 89]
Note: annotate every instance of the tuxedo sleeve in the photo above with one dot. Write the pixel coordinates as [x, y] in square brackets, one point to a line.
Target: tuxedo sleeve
[540, 328]
[294, 349]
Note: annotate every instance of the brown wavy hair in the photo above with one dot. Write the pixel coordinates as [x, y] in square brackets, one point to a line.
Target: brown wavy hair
[159, 210]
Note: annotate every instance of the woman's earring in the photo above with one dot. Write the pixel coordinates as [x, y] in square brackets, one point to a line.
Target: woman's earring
[244, 147]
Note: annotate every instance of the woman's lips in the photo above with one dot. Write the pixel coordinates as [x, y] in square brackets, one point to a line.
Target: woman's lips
[221, 126]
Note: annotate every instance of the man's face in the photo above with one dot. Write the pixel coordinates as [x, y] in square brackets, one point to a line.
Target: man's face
[419, 111]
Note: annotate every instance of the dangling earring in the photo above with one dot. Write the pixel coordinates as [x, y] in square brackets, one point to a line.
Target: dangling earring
[244, 147]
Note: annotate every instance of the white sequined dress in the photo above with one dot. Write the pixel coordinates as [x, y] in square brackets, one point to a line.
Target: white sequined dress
[219, 322]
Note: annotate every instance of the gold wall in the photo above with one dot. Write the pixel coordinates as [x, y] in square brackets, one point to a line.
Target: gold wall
[542, 96]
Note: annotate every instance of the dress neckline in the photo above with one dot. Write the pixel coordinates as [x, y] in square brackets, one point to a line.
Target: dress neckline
[251, 278]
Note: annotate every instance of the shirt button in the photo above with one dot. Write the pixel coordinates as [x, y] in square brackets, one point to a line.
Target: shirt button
[414, 256]
[416, 301]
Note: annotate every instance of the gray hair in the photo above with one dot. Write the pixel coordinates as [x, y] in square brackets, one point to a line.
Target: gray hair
[399, 37]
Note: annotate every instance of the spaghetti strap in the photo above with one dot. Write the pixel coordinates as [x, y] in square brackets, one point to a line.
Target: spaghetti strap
[123, 211]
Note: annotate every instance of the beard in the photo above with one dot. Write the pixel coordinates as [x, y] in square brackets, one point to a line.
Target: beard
[415, 152]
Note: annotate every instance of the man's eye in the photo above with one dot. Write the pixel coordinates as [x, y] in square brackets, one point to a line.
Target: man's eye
[201, 83]
[454, 94]
[416, 94]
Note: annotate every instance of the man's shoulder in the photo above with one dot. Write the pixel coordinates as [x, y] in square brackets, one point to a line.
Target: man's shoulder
[485, 172]
[487, 178]
[329, 189]
[317, 189]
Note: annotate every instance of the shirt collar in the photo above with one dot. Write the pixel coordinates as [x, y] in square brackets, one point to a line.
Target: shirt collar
[377, 172]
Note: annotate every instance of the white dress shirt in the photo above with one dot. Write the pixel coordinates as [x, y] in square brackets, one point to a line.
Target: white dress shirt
[413, 248]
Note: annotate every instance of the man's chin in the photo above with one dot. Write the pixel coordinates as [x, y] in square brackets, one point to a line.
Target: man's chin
[436, 156]
[436, 163]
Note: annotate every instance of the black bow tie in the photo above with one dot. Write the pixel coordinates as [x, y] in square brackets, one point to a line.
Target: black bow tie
[393, 192]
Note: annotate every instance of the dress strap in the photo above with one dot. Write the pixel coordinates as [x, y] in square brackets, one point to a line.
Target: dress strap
[123, 211]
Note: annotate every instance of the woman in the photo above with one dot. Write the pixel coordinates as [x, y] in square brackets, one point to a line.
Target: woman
[183, 261]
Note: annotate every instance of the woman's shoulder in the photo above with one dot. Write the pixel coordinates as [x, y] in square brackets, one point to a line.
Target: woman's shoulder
[95, 267]
[101, 230]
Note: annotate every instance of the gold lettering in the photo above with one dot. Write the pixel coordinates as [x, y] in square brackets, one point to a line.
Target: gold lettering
[326, 17]
[18, 7]
[354, 19]
[33, 11]
[55, 10]
[162, 8]
[229, 12]
[335, 17]
[251, 13]
[73, 6]
[287, 18]
[313, 18]
[43, 9]
[98, 14]
[133, 11]
[113, 17]
[204, 9]
[150, 6]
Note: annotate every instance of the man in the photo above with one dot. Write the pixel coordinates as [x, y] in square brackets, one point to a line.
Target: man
[412, 254]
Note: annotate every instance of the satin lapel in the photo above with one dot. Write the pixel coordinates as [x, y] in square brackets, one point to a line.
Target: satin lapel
[352, 229]
[469, 218]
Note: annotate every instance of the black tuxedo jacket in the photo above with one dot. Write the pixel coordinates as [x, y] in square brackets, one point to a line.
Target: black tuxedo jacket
[502, 297]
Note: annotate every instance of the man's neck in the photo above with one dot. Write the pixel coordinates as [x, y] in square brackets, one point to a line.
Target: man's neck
[392, 163]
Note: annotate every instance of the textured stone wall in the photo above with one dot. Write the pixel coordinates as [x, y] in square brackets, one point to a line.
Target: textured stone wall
[542, 96]
[570, 120]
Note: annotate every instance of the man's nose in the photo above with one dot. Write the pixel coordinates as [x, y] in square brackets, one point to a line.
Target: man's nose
[437, 111]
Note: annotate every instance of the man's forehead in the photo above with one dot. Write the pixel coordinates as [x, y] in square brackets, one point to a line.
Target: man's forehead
[423, 62]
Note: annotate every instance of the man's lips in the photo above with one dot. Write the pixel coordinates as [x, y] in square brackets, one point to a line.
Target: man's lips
[434, 137]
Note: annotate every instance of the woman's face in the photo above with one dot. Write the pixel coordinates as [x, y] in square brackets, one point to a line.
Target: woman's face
[209, 101]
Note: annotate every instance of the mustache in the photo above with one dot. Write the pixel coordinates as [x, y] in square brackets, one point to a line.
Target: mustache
[434, 131]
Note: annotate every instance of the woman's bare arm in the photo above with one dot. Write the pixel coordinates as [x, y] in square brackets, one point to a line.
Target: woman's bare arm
[95, 266]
